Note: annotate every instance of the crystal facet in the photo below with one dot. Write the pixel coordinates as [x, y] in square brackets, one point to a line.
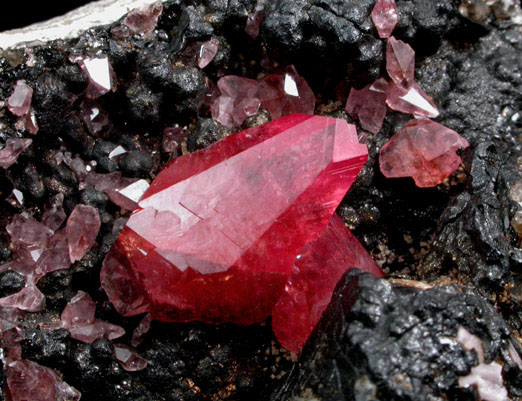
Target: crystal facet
[286, 93]
[368, 105]
[424, 150]
[237, 100]
[309, 288]
[100, 74]
[143, 19]
[27, 380]
[128, 358]
[82, 228]
[94, 117]
[385, 17]
[413, 101]
[12, 149]
[207, 52]
[78, 318]
[19, 103]
[400, 63]
[254, 19]
[222, 227]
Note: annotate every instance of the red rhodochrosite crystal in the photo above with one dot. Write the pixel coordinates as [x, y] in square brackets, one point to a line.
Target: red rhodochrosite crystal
[385, 17]
[19, 103]
[317, 270]
[143, 19]
[424, 150]
[207, 52]
[254, 19]
[128, 358]
[216, 235]
[400, 62]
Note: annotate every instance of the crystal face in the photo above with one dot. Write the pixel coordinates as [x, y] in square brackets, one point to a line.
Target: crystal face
[424, 150]
[400, 63]
[317, 270]
[385, 17]
[19, 103]
[216, 235]
[368, 105]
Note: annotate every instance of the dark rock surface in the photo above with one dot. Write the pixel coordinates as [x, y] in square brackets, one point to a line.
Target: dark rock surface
[379, 341]
[457, 233]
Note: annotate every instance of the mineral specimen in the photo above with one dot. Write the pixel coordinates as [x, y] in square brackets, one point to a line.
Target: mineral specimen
[143, 19]
[318, 268]
[100, 74]
[368, 105]
[237, 101]
[78, 318]
[400, 63]
[19, 103]
[385, 17]
[254, 19]
[286, 93]
[207, 52]
[82, 228]
[12, 149]
[27, 380]
[129, 358]
[424, 150]
[413, 101]
[216, 235]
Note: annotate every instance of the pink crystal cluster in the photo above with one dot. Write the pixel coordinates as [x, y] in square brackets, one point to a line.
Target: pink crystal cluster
[244, 229]
[12, 149]
[19, 103]
[422, 149]
[43, 247]
[78, 318]
[281, 93]
[27, 380]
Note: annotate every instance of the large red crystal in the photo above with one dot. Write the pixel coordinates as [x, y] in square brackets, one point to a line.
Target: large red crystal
[217, 234]
[317, 270]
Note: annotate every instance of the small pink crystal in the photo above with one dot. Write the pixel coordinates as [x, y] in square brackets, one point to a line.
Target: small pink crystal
[142, 329]
[368, 106]
[24, 230]
[29, 299]
[413, 101]
[385, 17]
[10, 336]
[19, 102]
[28, 381]
[424, 150]
[12, 149]
[143, 19]
[254, 19]
[128, 358]
[172, 139]
[55, 257]
[488, 380]
[54, 215]
[78, 318]
[400, 63]
[100, 73]
[207, 52]
[94, 117]
[28, 123]
[237, 100]
[82, 229]
[317, 270]
[286, 93]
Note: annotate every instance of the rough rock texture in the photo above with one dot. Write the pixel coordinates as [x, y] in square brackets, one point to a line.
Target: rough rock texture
[379, 341]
